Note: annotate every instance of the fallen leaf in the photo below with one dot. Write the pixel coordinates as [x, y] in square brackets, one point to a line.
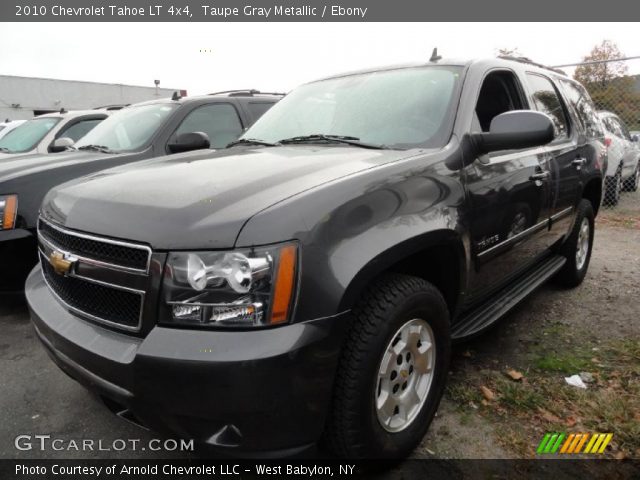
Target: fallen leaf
[548, 416]
[514, 375]
[620, 456]
[570, 421]
[488, 394]
[467, 354]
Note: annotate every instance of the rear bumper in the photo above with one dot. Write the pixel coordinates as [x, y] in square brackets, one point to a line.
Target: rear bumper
[245, 392]
[18, 251]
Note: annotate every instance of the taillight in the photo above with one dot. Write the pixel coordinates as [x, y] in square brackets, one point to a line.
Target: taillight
[607, 141]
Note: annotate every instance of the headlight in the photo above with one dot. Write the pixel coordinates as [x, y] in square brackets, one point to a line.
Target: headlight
[8, 211]
[241, 288]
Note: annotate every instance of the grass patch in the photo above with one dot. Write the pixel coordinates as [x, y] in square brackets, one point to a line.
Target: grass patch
[564, 363]
[522, 411]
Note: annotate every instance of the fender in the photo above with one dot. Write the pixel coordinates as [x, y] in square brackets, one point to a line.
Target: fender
[386, 260]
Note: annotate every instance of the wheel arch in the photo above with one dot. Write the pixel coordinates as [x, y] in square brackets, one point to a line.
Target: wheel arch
[438, 257]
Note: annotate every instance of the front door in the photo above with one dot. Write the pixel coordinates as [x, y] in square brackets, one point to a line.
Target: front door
[509, 193]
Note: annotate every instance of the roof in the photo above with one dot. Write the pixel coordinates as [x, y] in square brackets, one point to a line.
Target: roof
[225, 94]
[71, 113]
[449, 62]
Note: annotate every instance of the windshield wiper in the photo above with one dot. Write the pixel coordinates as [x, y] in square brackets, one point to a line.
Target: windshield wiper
[321, 137]
[251, 141]
[97, 148]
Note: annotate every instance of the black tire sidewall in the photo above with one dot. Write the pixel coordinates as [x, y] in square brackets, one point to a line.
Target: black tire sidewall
[377, 439]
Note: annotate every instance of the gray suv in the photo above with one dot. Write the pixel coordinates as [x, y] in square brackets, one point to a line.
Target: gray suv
[306, 283]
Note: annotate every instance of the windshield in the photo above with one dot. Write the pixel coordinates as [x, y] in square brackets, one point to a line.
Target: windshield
[28, 135]
[128, 129]
[402, 108]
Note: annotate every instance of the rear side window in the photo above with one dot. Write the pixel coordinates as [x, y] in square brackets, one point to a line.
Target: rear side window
[579, 99]
[624, 132]
[547, 100]
[219, 121]
[78, 130]
[257, 109]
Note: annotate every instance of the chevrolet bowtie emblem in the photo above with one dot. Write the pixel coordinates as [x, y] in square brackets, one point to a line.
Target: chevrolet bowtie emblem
[61, 265]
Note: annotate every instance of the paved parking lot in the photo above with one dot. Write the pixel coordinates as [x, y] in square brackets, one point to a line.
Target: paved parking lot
[37, 398]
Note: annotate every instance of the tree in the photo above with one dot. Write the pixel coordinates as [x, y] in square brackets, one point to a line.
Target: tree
[608, 83]
[603, 72]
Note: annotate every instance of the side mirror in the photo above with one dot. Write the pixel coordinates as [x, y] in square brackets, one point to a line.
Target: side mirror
[635, 138]
[186, 142]
[514, 130]
[60, 144]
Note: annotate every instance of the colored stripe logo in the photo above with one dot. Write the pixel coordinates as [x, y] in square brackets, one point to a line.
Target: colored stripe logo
[563, 443]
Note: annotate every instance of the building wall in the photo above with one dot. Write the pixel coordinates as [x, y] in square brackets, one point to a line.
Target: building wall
[21, 96]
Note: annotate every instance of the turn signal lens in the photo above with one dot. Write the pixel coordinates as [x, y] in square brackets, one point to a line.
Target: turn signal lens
[8, 211]
[285, 279]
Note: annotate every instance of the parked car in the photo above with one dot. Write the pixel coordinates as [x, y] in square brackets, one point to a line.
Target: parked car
[49, 133]
[8, 125]
[623, 172]
[138, 132]
[307, 282]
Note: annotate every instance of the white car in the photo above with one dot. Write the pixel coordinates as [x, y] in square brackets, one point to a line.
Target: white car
[8, 125]
[623, 170]
[50, 133]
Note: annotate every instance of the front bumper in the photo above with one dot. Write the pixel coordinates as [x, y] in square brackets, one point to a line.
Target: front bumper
[254, 391]
[18, 254]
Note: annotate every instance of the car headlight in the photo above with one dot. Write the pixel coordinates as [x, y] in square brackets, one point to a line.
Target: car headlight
[8, 211]
[241, 288]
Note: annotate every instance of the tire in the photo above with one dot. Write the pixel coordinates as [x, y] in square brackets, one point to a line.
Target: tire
[394, 304]
[574, 270]
[631, 183]
[614, 187]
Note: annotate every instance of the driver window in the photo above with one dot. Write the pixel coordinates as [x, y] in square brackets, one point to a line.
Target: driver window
[500, 93]
[219, 121]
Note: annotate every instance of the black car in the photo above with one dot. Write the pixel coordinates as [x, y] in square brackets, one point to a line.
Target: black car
[141, 131]
[306, 283]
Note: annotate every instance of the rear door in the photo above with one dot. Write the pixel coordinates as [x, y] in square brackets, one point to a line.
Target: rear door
[567, 152]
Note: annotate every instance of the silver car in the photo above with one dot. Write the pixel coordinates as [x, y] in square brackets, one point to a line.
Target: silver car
[623, 172]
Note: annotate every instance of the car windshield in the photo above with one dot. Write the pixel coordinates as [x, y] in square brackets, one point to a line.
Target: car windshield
[401, 108]
[28, 135]
[128, 129]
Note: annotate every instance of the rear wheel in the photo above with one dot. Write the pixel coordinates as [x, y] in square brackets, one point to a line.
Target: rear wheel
[577, 248]
[392, 371]
[631, 184]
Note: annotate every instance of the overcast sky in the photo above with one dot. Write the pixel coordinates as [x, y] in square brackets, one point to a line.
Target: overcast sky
[277, 56]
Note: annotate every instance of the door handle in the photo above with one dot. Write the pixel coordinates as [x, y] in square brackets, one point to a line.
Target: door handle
[539, 176]
[578, 162]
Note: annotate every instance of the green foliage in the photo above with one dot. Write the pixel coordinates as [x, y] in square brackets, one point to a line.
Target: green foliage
[608, 83]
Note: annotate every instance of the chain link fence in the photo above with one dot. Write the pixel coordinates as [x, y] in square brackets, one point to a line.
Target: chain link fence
[616, 94]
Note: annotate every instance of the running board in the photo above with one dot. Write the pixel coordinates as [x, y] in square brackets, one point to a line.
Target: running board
[487, 313]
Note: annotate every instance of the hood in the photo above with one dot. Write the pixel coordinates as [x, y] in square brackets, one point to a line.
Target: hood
[190, 202]
[13, 166]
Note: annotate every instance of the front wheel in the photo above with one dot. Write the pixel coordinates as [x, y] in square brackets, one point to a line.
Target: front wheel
[578, 246]
[613, 189]
[392, 371]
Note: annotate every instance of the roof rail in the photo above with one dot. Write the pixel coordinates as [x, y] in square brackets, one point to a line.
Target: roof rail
[531, 62]
[245, 92]
[113, 107]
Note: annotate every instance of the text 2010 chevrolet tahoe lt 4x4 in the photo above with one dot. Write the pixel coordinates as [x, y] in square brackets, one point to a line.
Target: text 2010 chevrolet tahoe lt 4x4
[306, 284]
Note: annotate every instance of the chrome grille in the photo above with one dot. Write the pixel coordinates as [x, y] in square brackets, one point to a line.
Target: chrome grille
[107, 251]
[98, 302]
[103, 280]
